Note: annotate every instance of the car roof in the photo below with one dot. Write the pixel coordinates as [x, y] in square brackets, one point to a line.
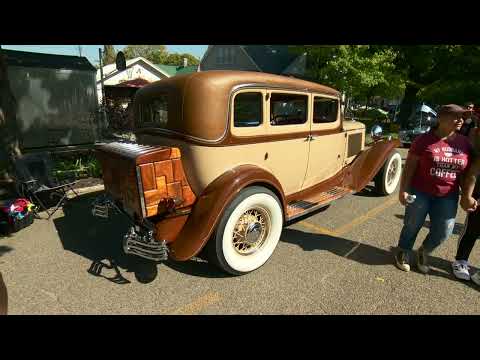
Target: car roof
[199, 102]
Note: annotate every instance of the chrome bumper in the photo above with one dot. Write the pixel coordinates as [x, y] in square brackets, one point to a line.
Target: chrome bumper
[139, 240]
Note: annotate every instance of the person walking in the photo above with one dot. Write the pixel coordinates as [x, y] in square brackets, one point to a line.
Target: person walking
[469, 203]
[431, 178]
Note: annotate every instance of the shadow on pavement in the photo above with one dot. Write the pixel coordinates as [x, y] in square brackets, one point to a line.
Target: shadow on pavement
[364, 254]
[197, 268]
[457, 229]
[368, 191]
[5, 249]
[100, 240]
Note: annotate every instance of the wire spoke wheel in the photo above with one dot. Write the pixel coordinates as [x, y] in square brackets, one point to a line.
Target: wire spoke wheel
[251, 230]
[392, 171]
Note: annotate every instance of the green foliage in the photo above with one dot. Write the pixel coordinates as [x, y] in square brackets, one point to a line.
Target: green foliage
[109, 54]
[78, 167]
[371, 113]
[153, 53]
[158, 54]
[361, 71]
[177, 59]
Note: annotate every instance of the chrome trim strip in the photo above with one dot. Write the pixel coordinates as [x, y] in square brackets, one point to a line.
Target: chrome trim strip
[140, 192]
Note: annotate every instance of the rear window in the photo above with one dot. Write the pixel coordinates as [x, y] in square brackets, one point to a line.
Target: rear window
[154, 113]
[248, 109]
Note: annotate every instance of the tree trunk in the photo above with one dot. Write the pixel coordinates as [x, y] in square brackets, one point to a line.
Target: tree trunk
[9, 132]
[408, 104]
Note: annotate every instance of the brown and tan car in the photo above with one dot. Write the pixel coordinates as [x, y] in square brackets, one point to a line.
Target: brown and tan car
[225, 159]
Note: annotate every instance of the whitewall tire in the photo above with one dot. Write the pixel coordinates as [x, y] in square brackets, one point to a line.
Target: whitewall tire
[388, 178]
[248, 231]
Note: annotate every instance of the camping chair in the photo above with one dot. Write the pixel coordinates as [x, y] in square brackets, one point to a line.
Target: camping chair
[37, 182]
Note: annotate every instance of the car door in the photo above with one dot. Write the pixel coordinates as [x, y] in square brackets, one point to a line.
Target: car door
[327, 140]
[288, 130]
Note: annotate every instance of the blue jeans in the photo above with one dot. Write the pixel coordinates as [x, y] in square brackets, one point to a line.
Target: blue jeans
[442, 212]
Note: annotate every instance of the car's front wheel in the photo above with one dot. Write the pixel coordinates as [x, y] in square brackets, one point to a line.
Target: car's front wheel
[248, 231]
[388, 177]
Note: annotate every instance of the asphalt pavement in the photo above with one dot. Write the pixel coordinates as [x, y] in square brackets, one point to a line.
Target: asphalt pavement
[338, 261]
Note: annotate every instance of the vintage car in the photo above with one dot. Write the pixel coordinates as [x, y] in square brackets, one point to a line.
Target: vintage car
[420, 122]
[224, 159]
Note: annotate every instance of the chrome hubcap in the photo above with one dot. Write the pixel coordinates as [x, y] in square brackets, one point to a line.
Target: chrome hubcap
[251, 230]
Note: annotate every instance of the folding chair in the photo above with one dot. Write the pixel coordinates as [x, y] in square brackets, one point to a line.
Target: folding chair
[36, 181]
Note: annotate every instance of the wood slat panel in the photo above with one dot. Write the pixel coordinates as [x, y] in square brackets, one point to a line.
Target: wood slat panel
[174, 189]
[175, 153]
[188, 196]
[178, 173]
[153, 197]
[164, 168]
[152, 210]
[148, 177]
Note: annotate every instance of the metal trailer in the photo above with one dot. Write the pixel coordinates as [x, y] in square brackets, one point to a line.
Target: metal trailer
[56, 100]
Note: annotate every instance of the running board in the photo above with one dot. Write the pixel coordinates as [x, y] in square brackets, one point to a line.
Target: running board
[299, 208]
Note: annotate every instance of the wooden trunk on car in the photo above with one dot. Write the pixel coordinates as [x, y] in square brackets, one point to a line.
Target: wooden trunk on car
[145, 180]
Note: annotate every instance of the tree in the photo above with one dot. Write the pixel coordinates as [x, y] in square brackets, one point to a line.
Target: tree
[360, 71]
[177, 59]
[436, 72]
[109, 54]
[154, 53]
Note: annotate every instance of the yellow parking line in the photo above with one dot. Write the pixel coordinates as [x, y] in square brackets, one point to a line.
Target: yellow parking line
[318, 229]
[367, 216]
[355, 222]
[196, 306]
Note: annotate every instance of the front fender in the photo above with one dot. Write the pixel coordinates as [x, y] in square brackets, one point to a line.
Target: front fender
[212, 202]
[367, 164]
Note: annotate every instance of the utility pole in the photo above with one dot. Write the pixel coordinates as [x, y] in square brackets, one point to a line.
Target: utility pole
[105, 121]
[100, 55]
[80, 50]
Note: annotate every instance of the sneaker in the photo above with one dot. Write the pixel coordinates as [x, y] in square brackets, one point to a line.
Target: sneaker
[402, 261]
[460, 270]
[422, 260]
[476, 278]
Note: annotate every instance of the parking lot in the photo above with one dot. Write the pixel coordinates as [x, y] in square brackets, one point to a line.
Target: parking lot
[337, 262]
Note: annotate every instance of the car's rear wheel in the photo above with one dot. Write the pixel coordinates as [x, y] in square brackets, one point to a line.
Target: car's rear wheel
[388, 177]
[248, 232]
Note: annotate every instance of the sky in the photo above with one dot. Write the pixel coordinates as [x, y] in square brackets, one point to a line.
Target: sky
[91, 51]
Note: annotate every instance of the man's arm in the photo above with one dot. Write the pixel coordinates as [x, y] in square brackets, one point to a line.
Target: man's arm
[467, 201]
[408, 172]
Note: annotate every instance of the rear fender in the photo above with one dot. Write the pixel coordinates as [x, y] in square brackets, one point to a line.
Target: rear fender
[211, 204]
[368, 163]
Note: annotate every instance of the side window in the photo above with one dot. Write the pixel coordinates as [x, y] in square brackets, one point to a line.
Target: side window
[288, 109]
[324, 110]
[248, 109]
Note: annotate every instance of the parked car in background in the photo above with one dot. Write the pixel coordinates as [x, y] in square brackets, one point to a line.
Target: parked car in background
[420, 122]
[225, 159]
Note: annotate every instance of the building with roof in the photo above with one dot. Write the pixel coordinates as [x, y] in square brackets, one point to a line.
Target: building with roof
[56, 101]
[139, 72]
[273, 59]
